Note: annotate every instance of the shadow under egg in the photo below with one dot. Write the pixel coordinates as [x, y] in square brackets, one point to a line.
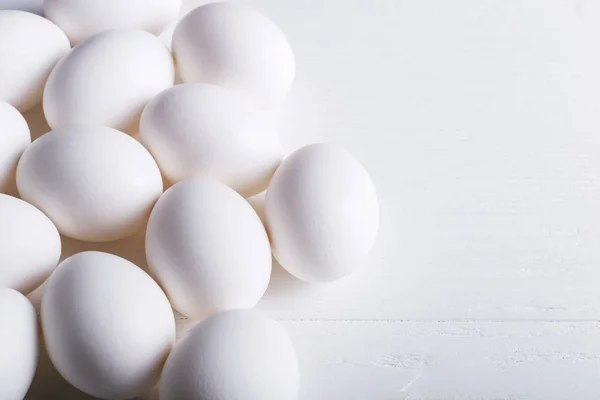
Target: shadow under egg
[37, 122]
[131, 248]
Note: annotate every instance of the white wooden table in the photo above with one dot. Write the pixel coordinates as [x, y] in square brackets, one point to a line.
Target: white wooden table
[479, 121]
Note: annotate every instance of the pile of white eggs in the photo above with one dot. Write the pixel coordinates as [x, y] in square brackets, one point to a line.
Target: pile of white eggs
[119, 126]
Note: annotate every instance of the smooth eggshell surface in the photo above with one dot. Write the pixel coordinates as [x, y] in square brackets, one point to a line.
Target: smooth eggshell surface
[234, 355]
[30, 245]
[18, 344]
[30, 46]
[108, 326]
[322, 213]
[199, 130]
[234, 46]
[207, 248]
[95, 183]
[14, 139]
[107, 80]
[81, 19]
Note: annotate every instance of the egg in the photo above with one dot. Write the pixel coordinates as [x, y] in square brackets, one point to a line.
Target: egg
[108, 326]
[18, 344]
[207, 248]
[322, 213]
[81, 19]
[107, 80]
[198, 130]
[234, 46]
[30, 46]
[30, 245]
[233, 355]
[14, 139]
[95, 183]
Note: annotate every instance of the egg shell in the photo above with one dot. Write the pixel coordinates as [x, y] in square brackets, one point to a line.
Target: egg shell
[30, 245]
[18, 344]
[95, 183]
[108, 326]
[30, 46]
[233, 355]
[14, 139]
[322, 213]
[207, 248]
[107, 80]
[237, 47]
[81, 19]
[198, 130]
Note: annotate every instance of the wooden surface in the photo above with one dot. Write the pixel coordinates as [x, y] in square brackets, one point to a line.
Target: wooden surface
[479, 121]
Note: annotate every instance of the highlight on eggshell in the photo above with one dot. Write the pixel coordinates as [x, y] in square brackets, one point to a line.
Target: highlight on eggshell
[207, 248]
[108, 326]
[234, 46]
[236, 354]
[14, 139]
[30, 46]
[199, 130]
[82, 19]
[95, 183]
[107, 80]
[30, 245]
[18, 344]
[322, 213]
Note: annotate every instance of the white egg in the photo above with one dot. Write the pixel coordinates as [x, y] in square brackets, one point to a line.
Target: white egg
[14, 139]
[30, 46]
[108, 326]
[236, 47]
[107, 80]
[197, 130]
[30, 245]
[95, 183]
[18, 344]
[233, 355]
[81, 19]
[207, 248]
[322, 213]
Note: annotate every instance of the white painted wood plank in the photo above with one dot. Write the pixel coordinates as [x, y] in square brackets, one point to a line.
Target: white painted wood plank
[358, 360]
[408, 360]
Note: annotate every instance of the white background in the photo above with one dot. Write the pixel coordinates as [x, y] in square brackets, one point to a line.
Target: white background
[479, 122]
